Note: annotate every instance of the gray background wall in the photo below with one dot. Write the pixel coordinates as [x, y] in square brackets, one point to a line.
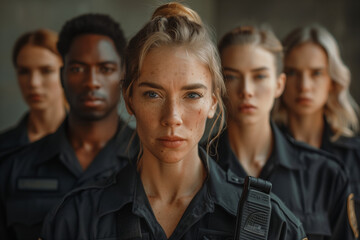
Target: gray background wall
[341, 17]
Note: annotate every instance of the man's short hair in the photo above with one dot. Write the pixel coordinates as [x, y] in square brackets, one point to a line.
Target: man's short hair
[100, 24]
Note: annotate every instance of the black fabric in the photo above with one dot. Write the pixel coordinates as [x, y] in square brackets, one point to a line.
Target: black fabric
[311, 183]
[15, 137]
[33, 180]
[211, 214]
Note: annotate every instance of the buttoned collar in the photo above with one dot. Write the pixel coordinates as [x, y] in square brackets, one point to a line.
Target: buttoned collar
[216, 190]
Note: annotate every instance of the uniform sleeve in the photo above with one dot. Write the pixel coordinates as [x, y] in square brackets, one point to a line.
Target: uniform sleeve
[339, 211]
[71, 219]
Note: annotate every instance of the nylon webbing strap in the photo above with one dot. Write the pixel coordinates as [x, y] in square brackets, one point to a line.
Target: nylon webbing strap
[254, 210]
[128, 224]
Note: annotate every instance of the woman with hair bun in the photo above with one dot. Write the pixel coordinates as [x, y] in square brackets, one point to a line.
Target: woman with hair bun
[311, 184]
[316, 106]
[37, 64]
[173, 190]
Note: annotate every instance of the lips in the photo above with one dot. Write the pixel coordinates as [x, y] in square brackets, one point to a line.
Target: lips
[247, 108]
[171, 141]
[90, 101]
[303, 100]
[34, 97]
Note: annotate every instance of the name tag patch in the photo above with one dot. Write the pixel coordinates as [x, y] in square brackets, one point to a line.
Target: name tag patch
[37, 184]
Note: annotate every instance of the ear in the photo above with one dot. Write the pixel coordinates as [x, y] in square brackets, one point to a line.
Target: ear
[214, 103]
[280, 85]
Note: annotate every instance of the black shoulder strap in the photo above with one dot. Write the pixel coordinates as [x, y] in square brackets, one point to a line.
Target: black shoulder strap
[254, 210]
[128, 224]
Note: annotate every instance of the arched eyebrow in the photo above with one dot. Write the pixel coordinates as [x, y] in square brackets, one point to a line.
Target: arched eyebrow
[187, 87]
[259, 69]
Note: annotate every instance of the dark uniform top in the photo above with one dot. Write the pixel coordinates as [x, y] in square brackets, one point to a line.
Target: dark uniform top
[311, 184]
[119, 209]
[35, 179]
[14, 137]
[347, 150]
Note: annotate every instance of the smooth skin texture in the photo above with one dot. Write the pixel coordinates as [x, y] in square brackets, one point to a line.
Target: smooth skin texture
[252, 86]
[171, 101]
[307, 91]
[38, 74]
[91, 78]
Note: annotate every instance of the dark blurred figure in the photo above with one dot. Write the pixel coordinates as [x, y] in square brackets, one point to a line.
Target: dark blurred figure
[37, 63]
[316, 106]
[91, 144]
[311, 183]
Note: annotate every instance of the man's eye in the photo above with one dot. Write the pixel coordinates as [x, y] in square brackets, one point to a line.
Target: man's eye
[107, 69]
[76, 69]
[47, 70]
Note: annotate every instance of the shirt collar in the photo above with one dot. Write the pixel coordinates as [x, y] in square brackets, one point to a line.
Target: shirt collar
[286, 153]
[58, 144]
[122, 188]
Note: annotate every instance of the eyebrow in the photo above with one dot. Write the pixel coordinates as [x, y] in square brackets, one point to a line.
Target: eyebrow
[187, 87]
[84, 63]
[252, 70]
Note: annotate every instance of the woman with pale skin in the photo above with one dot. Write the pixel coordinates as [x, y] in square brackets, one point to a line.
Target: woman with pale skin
[37, 63]
[172, 85]
[309, 182]
[316, 107]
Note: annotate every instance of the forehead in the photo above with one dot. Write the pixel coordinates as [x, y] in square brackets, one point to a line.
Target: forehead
[169, 63]
[247, 57]
[306, 55]
[34, 56]
[92, 48]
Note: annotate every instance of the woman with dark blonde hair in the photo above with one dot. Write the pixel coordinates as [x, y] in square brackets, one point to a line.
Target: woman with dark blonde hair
[316, 106]
[311, 184]
[173, 84]
[37, 63]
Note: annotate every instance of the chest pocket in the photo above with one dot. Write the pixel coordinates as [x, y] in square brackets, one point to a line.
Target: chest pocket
[25, 215]
[317, 226]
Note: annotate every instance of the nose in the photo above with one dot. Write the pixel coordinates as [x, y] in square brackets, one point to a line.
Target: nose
[304, 82]
[92, 80]
[246, 88]
[171, 116]
[34, 79]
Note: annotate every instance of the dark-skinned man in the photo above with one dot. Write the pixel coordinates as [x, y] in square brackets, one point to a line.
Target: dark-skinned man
[90, 145]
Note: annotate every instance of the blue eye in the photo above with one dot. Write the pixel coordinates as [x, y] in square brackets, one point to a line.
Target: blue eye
[260, 76]
[194, 95]
[151, 94]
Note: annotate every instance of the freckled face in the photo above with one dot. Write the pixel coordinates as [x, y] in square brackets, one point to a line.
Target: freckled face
[38, 73]
[251, 82]
[171, 101]
[309, 82]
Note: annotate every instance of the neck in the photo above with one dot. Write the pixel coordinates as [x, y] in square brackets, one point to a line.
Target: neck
[92, 133]
[307, 128]
[44, 122]
[251, 143]
[170, 182]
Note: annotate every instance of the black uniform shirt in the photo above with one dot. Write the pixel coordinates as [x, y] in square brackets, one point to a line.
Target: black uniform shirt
[35, 179]
[347, 150]
[310, 182]
[15, 137]
[119, 209]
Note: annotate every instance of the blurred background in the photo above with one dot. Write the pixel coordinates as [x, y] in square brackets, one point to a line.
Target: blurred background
[340, 17]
